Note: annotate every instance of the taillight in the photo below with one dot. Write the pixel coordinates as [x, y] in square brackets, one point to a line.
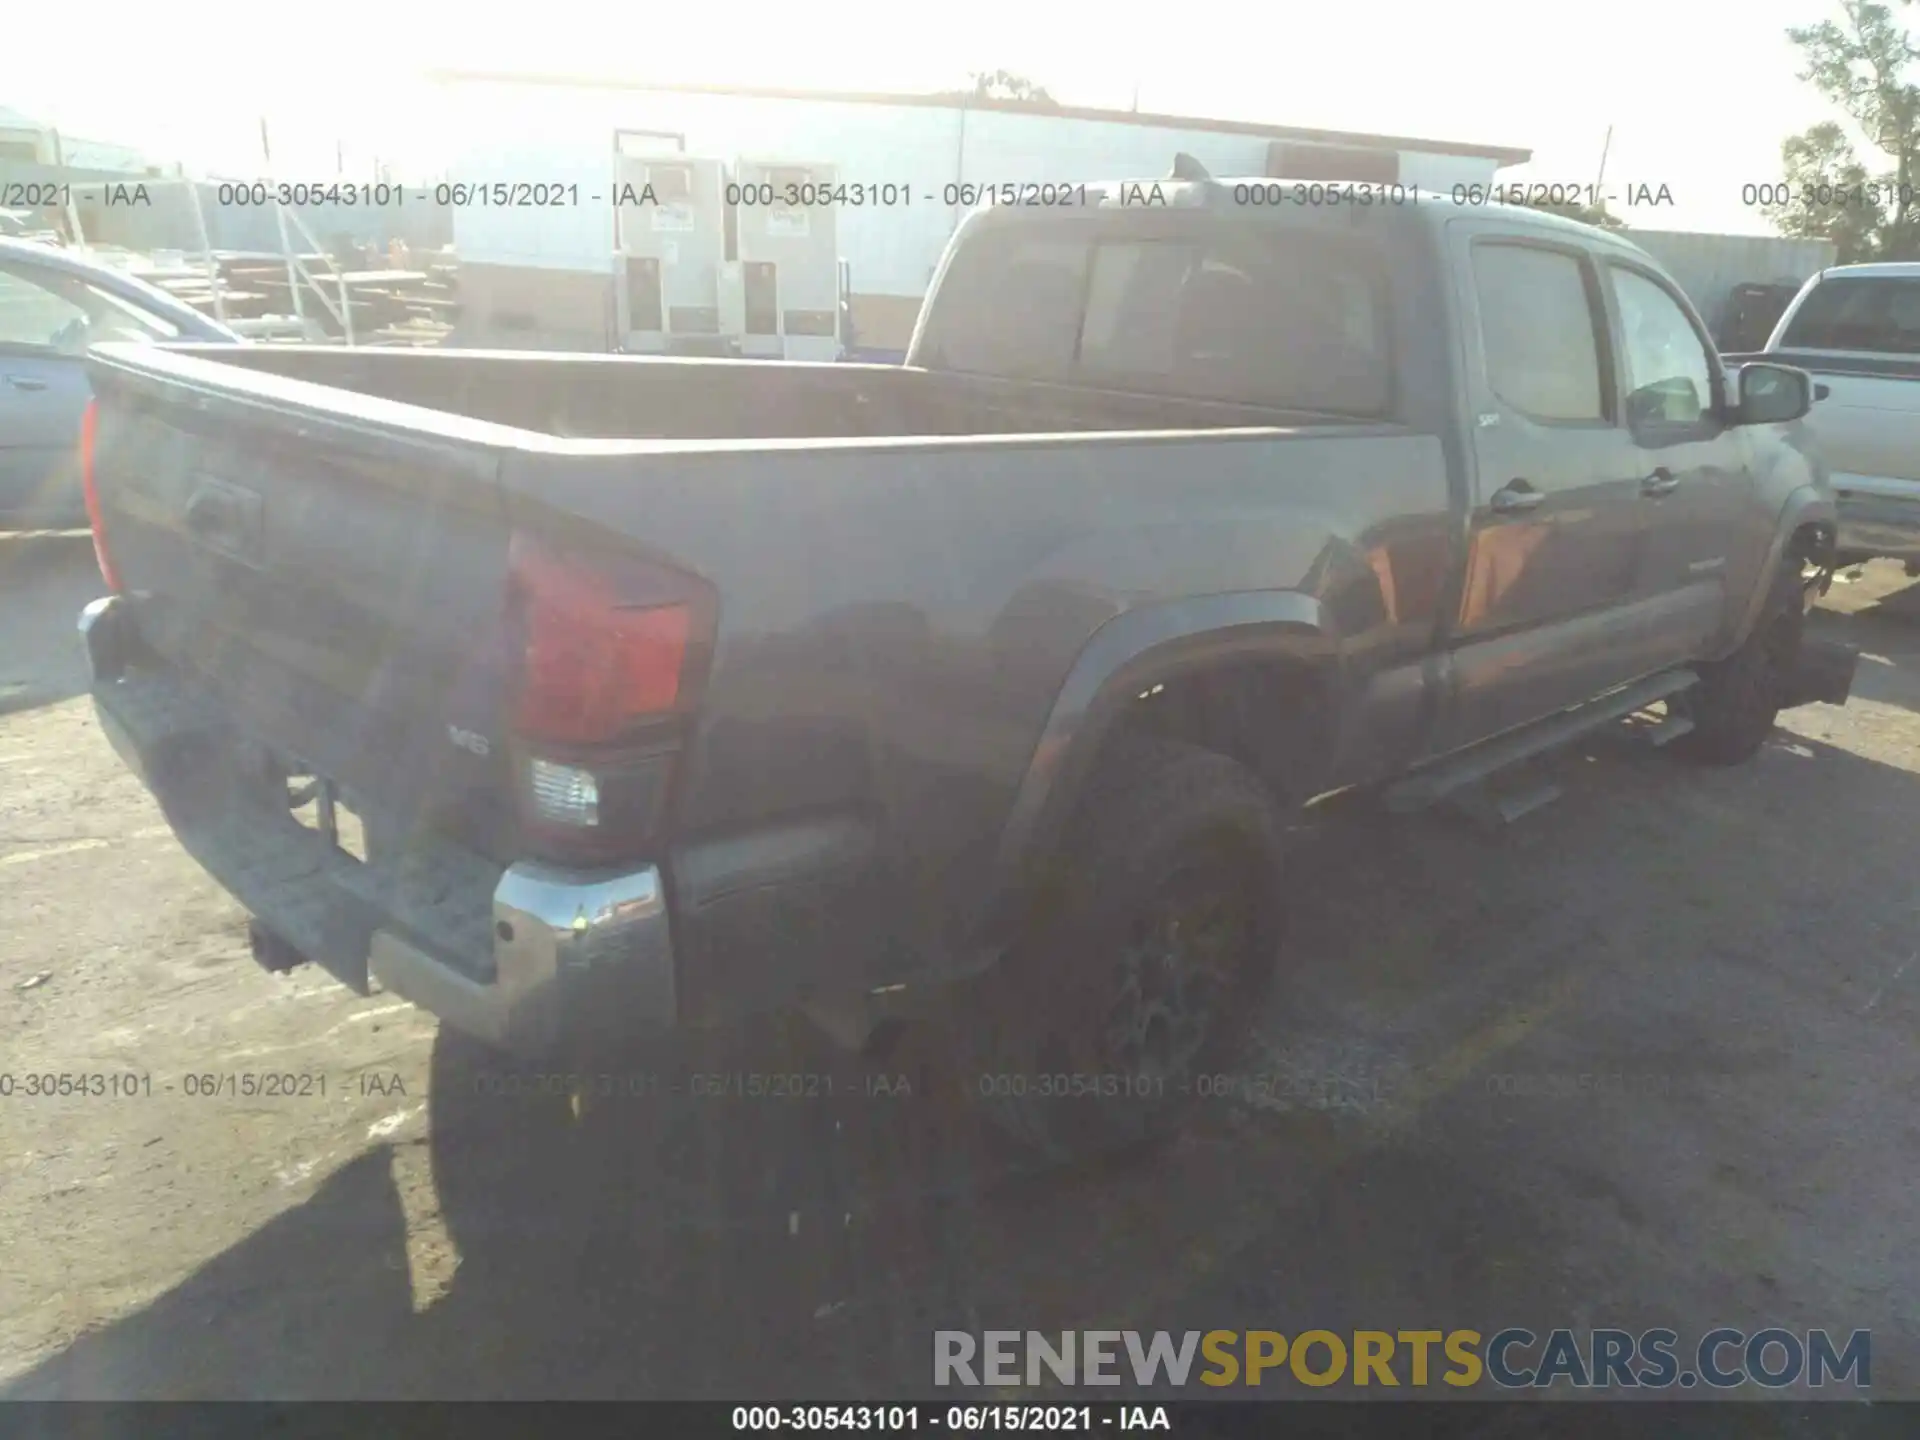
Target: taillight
[609, 652]
[605, 643]
[90, 489]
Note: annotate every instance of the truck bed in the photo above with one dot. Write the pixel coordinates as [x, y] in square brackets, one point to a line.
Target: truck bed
[621, 397]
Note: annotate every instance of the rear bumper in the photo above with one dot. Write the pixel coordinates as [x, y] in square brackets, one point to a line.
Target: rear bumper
[1879, 518]
[530, 957]
[563, 944]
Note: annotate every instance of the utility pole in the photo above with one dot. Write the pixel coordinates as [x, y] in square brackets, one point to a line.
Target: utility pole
[70, 211]
[1601, 178]
[286, 240]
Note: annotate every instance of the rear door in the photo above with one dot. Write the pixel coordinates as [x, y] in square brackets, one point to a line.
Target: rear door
[1556, 538]
[1693, 466]
[43, 390]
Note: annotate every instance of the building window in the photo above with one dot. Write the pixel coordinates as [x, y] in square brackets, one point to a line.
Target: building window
[1291, 160]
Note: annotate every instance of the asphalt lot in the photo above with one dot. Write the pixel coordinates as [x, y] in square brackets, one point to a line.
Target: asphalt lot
[1735, 954]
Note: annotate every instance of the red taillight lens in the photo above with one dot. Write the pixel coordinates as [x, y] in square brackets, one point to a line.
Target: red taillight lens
[604, 641]
[90, 488]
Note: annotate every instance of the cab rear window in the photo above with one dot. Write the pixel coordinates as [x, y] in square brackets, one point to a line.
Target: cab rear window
[1253, 314]
[1878, 314]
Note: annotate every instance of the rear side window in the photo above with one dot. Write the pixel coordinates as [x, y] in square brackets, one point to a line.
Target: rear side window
[1880, 314]
[1256, 315]
[54, 311]
[33, 316]
[1011, 306]
[1540, 330]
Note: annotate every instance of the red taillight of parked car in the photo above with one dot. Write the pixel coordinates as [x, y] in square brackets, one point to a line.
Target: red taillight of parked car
[90, 489]
[605, 642]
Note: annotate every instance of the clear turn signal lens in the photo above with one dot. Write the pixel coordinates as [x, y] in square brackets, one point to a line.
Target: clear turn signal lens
[563, 794]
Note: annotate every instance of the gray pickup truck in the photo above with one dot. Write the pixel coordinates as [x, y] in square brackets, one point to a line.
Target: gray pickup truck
[583, 698]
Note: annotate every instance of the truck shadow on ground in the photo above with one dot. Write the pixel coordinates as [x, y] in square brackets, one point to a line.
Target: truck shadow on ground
[734, 1281]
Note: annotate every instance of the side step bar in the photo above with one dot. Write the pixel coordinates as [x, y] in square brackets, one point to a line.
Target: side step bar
[1482, 806]
[1425, 788]
[1667, 731]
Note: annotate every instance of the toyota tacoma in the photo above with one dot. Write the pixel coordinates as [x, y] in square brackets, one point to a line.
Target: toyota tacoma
[586, 699]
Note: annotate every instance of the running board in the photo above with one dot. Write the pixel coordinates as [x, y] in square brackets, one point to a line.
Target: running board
[1425, 788]
[1667, 731]
[1481, 805]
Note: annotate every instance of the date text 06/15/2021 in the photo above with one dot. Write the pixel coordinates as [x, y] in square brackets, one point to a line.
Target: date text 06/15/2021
[910, 1419]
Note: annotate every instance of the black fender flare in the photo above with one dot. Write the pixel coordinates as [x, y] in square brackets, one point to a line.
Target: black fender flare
[1135, 649]
[1806, 505]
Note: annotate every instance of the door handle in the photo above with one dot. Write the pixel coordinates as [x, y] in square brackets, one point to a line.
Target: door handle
[26, 382]
[1515, 497]
[1661, 482]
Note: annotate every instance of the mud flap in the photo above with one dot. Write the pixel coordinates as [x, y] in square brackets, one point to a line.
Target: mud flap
[1823, 673]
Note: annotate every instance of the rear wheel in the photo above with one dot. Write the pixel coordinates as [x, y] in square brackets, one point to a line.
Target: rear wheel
[1734, 706]
[1136, 984]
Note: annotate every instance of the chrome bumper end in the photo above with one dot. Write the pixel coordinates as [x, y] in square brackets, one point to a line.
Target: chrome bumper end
[567, 948]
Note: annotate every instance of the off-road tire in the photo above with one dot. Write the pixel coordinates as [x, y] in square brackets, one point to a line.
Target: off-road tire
[1039, 1041]
[1734, 706]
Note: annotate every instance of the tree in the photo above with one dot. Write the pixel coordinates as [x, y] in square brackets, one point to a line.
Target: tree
[1004, 85]
[1861, 63]
[1821, 164]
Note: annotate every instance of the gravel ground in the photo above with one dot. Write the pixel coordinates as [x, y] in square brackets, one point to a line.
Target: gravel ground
[1734, 954]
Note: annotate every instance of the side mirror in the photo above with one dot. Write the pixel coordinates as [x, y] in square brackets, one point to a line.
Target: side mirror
[1772, 394]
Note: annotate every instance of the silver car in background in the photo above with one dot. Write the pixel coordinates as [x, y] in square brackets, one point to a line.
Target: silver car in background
[54, 304]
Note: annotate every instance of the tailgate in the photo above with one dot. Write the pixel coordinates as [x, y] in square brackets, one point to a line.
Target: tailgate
[330, 566]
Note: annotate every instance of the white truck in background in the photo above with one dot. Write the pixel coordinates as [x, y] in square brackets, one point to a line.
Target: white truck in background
[1740, 284]
[1856, 329]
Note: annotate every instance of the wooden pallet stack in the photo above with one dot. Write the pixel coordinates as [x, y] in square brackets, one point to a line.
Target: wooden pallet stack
[389, 306]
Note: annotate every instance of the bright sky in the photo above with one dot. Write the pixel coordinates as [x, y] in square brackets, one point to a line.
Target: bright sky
[1699, 92]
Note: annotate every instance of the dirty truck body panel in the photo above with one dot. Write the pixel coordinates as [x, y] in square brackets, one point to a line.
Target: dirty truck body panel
[920, 596]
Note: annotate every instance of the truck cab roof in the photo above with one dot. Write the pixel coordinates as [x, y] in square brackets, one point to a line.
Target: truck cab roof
[1256, 194]
[1875, 270]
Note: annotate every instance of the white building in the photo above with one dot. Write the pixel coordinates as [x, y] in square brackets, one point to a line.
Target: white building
[553, 265]
[25, 140]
